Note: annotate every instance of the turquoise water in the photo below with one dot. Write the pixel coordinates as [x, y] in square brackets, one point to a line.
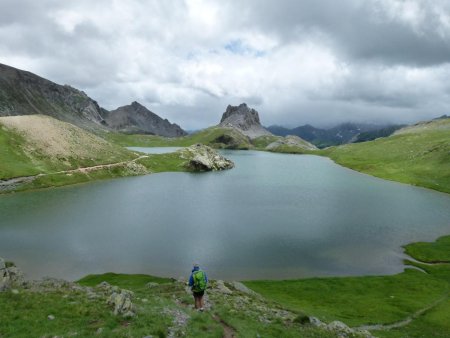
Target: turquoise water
[272, 216]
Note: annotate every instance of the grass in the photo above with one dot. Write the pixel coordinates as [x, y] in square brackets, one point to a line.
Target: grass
[216, 137]
[291, 149]
[124, 281]
[26, 314]
[14, 162]
[353, 300]
[376, 299]
[154, 163]
[430, 252]
[23, 157]
[262, 142]
[169, 162]
[419, 156]
[20, 157]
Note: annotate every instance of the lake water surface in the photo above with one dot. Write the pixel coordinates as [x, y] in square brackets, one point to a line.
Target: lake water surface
[272, 216]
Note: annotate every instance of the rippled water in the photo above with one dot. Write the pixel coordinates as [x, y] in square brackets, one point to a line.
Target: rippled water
[272, 216]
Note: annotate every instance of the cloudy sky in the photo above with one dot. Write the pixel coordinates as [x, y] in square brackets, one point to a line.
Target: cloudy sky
[295, 61]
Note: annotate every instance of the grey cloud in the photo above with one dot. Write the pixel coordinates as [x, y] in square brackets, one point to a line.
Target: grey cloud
[140, 50]
[357, 29]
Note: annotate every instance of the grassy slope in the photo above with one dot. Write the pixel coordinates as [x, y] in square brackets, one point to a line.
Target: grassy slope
[419, 155]
[14, 162]
[22, 156]
[214, 136]
[25, 314]
[375, 299]
[262, 142]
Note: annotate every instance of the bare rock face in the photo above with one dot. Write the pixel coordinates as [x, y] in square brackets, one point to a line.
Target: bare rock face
[203, 158]
[245, 119]
[24, 93]
[135, 118]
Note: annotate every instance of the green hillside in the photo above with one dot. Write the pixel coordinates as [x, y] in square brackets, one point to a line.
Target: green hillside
[216, 137]
[418, 155]
[36, 144]
[38, 151]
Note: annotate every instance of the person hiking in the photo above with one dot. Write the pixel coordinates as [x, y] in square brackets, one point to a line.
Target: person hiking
[198, 281]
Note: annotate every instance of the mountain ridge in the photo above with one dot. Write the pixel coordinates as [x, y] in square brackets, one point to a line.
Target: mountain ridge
[25, 93]
[347, 132]
[136, 118]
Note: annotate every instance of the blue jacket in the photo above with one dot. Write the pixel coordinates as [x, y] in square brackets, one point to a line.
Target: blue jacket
[191, 279]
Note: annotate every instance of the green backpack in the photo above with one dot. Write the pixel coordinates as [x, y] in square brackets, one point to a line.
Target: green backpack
[199, 281]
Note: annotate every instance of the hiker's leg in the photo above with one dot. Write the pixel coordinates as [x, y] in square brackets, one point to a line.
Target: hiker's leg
[197, 302]
[201, 302]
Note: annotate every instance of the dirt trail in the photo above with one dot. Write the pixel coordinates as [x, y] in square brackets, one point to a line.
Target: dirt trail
[406, 321]
[228, 331]
[10, 184]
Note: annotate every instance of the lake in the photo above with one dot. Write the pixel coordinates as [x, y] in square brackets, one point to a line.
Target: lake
[272, 216]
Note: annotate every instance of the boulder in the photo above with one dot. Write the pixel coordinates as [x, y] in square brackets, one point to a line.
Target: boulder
[5, 281]
[242, 288]
[121, 301]
[151, 285]
[203, 158]
[222, 288]
[342, 330]
[10, 275]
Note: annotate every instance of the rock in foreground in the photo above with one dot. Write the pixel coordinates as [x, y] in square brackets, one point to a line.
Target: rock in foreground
[203, 158]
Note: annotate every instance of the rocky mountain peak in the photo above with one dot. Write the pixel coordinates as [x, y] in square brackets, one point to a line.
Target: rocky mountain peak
[245, 119]
[248, 115]
[136, 118]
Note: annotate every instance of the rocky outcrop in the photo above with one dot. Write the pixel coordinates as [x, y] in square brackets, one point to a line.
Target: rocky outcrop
[10, 276]
[4, 276]
[135, 118]
[121, 302]
[245, 119]
[203, 158]
[24, 93]
[340, 329]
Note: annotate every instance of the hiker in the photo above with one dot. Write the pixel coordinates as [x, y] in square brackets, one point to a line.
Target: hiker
[197, 282]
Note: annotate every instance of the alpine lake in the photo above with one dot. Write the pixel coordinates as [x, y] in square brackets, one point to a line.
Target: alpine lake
[273, 216]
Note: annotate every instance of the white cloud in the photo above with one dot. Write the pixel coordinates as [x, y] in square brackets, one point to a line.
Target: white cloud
[296, 62]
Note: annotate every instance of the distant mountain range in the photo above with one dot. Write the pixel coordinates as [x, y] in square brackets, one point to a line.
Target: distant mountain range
[24, 93]
[340, 134]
